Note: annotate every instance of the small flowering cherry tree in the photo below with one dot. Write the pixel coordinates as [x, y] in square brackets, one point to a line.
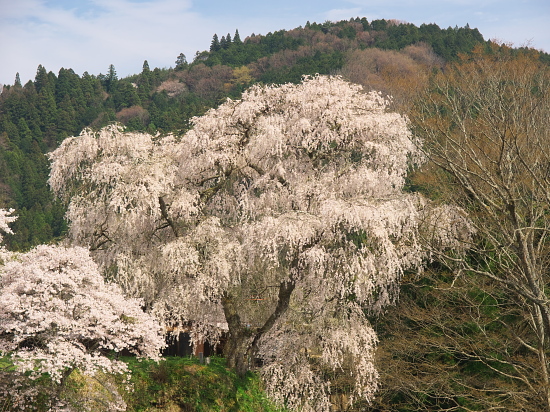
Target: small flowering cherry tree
[280, 216]
[57, 314]
[5, 219]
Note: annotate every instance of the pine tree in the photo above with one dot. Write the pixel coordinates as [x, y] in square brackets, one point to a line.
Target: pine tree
[237, 38]
[223, 43]
[144, 82]
[215, 45]
[146, 68]
[110, 81]
[43, 80]
[181, 62]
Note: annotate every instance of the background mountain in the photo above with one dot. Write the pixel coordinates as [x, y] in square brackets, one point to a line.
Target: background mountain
[37, 116]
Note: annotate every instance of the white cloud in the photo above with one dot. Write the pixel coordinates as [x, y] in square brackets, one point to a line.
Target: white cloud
[120, 32]
[342, 14]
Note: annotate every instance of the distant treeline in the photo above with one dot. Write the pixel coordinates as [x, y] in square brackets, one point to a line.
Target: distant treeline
[37, 116]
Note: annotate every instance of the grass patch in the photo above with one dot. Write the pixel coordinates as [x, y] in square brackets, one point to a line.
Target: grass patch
[175, 384]
[183, 384]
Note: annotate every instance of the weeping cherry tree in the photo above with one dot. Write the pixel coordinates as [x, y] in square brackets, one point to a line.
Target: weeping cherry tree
[279, 218]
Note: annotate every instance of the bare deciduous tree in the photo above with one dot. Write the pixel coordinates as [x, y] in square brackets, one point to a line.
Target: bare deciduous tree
[486, 125]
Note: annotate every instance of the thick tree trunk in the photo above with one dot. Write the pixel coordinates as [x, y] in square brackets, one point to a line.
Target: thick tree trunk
[242, 344]
[238, 343]
[542, 334]
[237, 352]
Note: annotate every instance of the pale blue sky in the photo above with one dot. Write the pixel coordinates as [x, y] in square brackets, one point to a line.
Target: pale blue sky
[89, 35]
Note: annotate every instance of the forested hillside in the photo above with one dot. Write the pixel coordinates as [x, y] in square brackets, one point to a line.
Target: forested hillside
[37, 116]
[470, 332]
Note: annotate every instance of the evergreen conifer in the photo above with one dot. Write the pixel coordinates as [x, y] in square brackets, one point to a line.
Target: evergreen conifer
[215, 45]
